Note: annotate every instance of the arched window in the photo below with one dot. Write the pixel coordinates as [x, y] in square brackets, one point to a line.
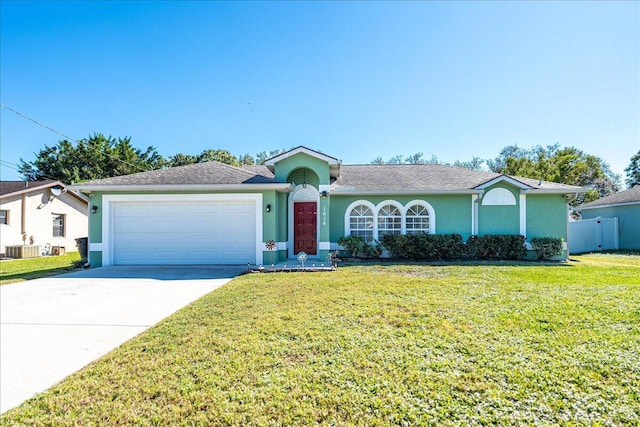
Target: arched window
[389, 220]
[361, 222]
[417, 220]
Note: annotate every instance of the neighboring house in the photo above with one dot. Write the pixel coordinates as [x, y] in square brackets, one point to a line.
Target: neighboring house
[41, 213]
[210, 213]
[625, 206]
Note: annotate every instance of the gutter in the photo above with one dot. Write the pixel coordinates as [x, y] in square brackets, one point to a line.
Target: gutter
[609, 205]
[88, 189]
[340, 192]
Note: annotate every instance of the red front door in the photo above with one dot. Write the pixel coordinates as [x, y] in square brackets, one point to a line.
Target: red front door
[305, 228]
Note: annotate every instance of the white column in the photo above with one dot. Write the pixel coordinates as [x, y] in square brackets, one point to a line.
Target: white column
[474, 214]
[523, 214]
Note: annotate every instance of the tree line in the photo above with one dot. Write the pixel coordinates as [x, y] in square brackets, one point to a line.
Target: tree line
[565, 165]
[100, 156]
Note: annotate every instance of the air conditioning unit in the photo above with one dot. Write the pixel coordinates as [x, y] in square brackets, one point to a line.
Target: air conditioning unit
[23, 251]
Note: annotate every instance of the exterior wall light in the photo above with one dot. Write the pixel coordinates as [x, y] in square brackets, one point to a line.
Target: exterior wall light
[94, 209]
[324, 193]
[268, 208]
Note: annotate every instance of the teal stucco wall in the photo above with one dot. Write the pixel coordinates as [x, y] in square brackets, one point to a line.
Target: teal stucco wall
[285, 167]
[547, 216]
[500, 219]
[453, 212]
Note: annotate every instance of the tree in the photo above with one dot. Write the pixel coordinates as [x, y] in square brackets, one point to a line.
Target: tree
[475, 164]
[182, 160]
[93, 158]
[263, 156]
[418, 159]
[562, 165]
[247, 159]
[633, 171]
[222, 156]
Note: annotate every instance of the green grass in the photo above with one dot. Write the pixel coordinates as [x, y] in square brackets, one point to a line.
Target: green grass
[18, 270]
[378, 345]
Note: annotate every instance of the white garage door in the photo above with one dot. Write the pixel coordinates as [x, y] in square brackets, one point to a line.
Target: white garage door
[220, 232]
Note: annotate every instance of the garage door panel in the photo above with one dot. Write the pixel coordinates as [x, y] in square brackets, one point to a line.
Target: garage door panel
[221, 232]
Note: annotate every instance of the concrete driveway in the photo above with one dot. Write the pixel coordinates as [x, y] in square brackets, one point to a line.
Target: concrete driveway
[52, 327]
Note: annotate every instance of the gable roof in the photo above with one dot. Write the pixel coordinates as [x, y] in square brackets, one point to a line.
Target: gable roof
[627, 197]
[14, 188]
[302, 149]
[334, 164]
[211, 174]
[415, 178]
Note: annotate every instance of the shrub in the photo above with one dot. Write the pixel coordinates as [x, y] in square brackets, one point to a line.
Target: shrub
[396, 245]
[424, 246]
[547, 247]
[496, 246]
[359, 247]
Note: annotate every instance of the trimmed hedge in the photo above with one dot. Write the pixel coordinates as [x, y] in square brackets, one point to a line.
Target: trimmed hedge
[547, 247]
[442, 246]
[360, 248]
[424, 246]
[496, 246]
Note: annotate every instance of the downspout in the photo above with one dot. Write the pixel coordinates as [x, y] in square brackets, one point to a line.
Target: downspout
[23, 219]
[88, 263]
[570, 198]
[475, 220]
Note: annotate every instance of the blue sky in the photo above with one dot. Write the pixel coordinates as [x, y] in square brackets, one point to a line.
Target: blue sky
[355, 80]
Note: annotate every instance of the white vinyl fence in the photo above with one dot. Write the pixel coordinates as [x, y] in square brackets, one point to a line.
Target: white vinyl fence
[597, 234]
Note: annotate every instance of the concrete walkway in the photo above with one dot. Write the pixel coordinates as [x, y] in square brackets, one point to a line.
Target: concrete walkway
[52, 327]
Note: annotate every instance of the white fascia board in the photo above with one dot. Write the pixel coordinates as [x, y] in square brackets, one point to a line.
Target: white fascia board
[181, 187]
[26, 189]
[503, 178]
[610, 205]
[555, 191]
[332, 161]
[338, 191]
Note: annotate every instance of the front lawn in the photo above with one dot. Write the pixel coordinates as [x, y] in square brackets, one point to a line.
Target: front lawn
[378, 345]
[18, 270]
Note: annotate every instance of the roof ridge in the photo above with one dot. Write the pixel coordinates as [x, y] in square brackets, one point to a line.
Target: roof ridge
[238, 168]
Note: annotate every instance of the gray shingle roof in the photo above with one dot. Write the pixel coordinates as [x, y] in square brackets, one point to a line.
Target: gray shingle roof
[628, 196]
[208, 173]
[353, 178]
[10, 187]
[424, 177]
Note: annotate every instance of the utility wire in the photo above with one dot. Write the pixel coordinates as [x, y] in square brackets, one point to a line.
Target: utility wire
[140, 168]
[24, 116]
[15, 167]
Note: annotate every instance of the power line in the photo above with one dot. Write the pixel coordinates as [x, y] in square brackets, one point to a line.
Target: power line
[15, 167]
[37, 122]
[140, 168]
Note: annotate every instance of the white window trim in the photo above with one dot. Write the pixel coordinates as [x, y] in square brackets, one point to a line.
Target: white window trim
[347, 216]
[64, 226]
[428, 207]
[498, 197]
[376, 215]
[375, 209]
